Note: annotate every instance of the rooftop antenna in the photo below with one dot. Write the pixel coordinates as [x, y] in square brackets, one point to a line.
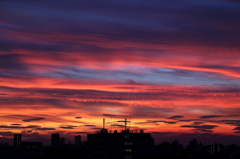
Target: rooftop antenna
[103, 123]
[125, 123]
[111, 124]
[129, 122]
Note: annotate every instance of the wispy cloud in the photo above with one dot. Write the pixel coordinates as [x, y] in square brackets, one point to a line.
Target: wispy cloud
[33, 119]
[163, 65]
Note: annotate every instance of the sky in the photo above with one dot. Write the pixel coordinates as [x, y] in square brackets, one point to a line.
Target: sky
[171, 68]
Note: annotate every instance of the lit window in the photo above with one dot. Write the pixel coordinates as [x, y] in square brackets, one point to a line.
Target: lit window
[126, 136]
[128, 143]
[128, 150]
[127, 156]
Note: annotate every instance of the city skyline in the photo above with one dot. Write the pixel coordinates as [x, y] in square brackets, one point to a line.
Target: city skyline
[171, 68]
[124, 144]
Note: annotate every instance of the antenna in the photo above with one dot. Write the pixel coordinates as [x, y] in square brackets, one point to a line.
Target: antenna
[129, 122]
[125, 123]
[103, 123]
[111, 124]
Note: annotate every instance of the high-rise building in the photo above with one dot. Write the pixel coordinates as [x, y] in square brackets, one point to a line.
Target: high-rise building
[55, 140]
[77, 140]
[62, 141]
[126, 144]
[17, 138]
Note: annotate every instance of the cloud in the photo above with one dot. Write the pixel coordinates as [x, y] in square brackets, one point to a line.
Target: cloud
[206, 131]
[123, 121]
[162, 133]
[210, 116]
[132, 82]
[26, 128]
[237, 128]
[125, 63]
[3, 94]
[68, 94]
[15, 124]
[18, 127]
[159, 121]
[169, 122]
[148, 122]
[12, 61]
[197, 123]
[199, 126]
[237, 132]
[108, 115]
[8, 133]
[66, 127]
[185, 120]
[33, 119]
[232, 121]
[89, 125]
[80, 132]
[175, 117]
[26, 131]
[117, 125]
[96, 128]
[45, 129]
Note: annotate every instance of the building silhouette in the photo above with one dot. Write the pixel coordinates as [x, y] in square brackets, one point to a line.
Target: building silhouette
[62, 141]
[17, 139]
[55, 140]
[77, 140]
[124, 145]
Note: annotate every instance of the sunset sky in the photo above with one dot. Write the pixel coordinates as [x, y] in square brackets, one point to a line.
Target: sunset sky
[171, 67]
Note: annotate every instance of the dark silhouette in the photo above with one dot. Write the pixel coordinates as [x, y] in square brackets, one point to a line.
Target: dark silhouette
[55, 140]
[127, 144]
[17, 138]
